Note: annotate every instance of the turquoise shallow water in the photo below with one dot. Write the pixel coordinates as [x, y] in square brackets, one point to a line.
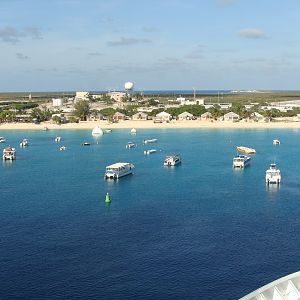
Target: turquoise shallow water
[197, 231]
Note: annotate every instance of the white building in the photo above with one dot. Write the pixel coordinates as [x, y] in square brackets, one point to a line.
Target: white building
[82, 96]
[164, 116]
[117, 96]
[206, 116]
[231, 116]
[57, 102]
[185, 116]
[140, 116]
[184, 101]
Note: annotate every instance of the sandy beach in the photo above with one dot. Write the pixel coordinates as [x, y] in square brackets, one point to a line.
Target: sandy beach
[149, 124]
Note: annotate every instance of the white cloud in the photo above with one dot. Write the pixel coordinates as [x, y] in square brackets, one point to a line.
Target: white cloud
[127, 42]
[252, 33]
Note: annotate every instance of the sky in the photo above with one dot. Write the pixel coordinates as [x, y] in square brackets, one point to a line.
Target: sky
[96, 45]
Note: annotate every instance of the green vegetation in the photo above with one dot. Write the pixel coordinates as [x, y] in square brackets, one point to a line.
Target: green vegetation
[82, 110]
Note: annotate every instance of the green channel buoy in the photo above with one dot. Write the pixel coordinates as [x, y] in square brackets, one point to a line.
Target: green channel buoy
[107, 198]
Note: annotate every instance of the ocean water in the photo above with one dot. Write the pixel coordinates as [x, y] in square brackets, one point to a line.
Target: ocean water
[200, 230]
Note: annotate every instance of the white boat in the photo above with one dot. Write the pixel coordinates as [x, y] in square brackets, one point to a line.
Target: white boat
[9, 153]
[276, 142]
[287, 287]
[149, 141]
[133, 131]
[85, 144]
[241, 161]
[97, 131]
[246, 150]
[107, 131]
[57, 139]
[45, 129]
[62, 148]
[273, 175]
[118, 170]
[2, 139]
[24, 143]
[150, 151]
[130, 145]
[172, 160]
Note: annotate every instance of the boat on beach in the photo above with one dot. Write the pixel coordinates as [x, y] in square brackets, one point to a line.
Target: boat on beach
[117, 170]
[273, 175]
[246, 150]
[276, 142]
[150, 151]
[9, 153]
[2, 139]
[149, 141]
[130, 145]
[172, 160]
[241, 161]
[24, 143]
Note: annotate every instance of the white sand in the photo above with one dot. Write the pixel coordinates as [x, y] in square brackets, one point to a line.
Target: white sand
[150, 124]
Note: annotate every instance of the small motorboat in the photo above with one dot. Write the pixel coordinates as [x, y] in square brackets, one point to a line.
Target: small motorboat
[133, 131]
[150, 151]
[85, 144]
[57, 139]
[241, 161]
[62, 148]
[24, 143]
[2, 139]
[172, 160]
[246, 150]
[130, 145]
[276, 142]
[149, 141]
[45, 129]
[107, 131]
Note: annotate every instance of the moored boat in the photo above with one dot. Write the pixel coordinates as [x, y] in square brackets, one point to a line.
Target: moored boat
[149, 141]
[62, 148]
[107, 131]
[117, 170]
[57, 139]
[45, 128]
[241, 161]
[133, 131]
[9, 153]
[273, 175]
[130, 145]
[172, 160]
[97, 131]
[24, 143]
[85, 144]
[246, 150]
[276, 142]
[2, 139]
[150, 151]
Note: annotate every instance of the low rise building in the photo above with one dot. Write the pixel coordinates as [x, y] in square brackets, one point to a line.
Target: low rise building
[185, 116]
[140, 116]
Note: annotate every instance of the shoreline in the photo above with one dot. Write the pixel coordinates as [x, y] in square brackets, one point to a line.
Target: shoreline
[128, 124]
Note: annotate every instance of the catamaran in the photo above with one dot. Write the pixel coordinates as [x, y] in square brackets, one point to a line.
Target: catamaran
[273, 175]
[118, 170]
[9, 153]
[241, 161]
[172, 160]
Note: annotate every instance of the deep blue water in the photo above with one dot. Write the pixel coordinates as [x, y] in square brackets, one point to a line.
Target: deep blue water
[197, 231]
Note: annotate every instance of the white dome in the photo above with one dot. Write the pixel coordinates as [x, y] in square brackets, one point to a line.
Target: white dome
[129, 85]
